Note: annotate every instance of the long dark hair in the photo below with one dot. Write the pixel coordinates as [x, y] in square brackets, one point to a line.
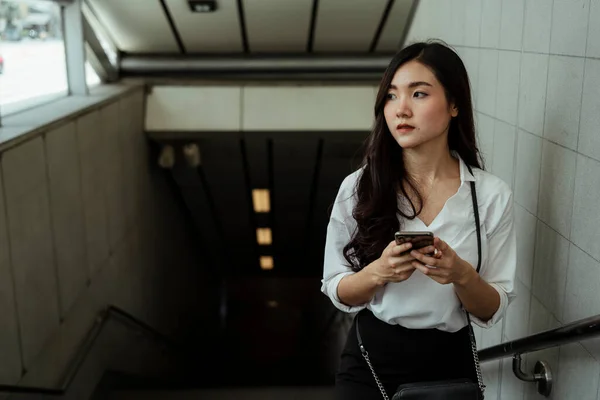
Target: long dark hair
[384, 175]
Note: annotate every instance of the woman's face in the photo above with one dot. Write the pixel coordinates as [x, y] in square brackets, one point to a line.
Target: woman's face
[416, 110]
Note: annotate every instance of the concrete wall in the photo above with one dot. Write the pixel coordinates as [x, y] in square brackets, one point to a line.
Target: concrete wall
[535, 70]
[85, 221]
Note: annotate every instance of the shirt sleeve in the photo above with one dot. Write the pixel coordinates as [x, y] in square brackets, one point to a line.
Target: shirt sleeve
[502, 259]
[335, 266]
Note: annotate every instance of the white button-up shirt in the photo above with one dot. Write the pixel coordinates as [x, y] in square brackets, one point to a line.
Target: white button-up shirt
[420, 302]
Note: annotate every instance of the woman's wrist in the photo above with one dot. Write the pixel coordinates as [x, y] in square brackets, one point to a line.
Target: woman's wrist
[369, 270]
[468, 276]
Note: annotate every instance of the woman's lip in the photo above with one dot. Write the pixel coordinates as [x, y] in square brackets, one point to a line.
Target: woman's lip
[405, 127]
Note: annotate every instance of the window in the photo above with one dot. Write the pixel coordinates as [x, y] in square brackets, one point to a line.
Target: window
[33, 54]
[91, 77]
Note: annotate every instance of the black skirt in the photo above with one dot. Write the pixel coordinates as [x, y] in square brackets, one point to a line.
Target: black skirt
[400, 355]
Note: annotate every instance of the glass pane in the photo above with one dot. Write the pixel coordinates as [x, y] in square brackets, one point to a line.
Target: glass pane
[91, 77]
[33, 54]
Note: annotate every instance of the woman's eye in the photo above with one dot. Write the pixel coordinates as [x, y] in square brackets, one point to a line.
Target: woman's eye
[420, 94]
[391, 96]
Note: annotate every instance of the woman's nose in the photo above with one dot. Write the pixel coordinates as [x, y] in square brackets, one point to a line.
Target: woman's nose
[403, 110]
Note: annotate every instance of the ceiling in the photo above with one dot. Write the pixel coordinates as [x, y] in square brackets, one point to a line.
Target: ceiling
[255, 26]
[302, 170]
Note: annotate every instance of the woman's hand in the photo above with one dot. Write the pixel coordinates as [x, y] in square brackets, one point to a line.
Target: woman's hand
[393, 265]
[445, 266]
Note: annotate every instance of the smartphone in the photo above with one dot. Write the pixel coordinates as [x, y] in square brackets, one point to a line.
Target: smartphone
[418, 239]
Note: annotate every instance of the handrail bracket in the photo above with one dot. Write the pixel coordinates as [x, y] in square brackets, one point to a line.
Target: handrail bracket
[542, 375]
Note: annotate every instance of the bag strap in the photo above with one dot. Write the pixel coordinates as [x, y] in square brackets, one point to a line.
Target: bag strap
[471, 333]
[365, 355]
[480, 384]
[477, 224]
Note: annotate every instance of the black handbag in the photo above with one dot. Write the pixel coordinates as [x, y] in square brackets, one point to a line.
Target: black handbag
[458, 389]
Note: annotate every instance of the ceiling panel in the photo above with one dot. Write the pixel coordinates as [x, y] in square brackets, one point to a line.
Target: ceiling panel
[347, 25]
[394, 26]
[217, 32]
[137, 26]
[278, 26]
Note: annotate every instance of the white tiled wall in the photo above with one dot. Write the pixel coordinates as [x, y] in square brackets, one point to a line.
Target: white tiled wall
[536, 69]
[82, 225]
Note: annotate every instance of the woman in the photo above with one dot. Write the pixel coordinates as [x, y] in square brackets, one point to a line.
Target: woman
[416, 177]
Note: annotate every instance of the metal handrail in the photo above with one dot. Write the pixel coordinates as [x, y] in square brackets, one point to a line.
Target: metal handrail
[542, 372]
[579, 330]
[111, 312]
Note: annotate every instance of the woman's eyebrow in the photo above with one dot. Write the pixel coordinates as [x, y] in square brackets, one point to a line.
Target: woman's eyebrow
[413, 84]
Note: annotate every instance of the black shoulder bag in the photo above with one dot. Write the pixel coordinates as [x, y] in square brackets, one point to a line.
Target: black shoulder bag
[458, 389]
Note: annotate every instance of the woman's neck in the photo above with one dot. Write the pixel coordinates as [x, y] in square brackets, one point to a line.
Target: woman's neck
[430, 163]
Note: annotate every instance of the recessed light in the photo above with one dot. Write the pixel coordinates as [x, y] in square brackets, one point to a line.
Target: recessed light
[266, 262]
[264, 236]
[261, 200]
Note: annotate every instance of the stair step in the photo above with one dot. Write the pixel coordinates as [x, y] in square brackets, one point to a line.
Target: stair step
[269, 393]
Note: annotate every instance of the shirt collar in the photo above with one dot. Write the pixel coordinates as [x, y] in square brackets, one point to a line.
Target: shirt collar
[465, 175]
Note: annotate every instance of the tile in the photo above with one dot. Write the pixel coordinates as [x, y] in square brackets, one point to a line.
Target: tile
[456, 23]
[470, 58]
[578, 374]
[527, 177]
[536, 32]
[593, 38]
[485, 137]
[511, 24]
[582, 297]
[472, 22]
[492, 336]
[491, 379]
[490, 23]
[26, 170]
[589, 126]
[563, 102]
[541, 320]
[569, 27]
[550, 269]
[525, 226]
[67, 213]
[129, 154]
[10, 367]
[512, 387]
[91, 156]
[593, 346]
[557, 183]
[487, 84]
[115, 200]
[532, 92]
[34, 271]
[586, 219]
[517, 314]
[504, 152]
[509, 63]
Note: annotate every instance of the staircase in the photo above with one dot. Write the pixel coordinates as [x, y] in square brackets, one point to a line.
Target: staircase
[272, 393]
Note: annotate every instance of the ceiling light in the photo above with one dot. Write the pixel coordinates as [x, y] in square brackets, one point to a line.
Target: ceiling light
[203, 6]
[261, 201]
[266, 262]
[264, 236]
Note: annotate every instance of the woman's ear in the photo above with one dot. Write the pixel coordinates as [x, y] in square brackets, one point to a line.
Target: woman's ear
[453, 111]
